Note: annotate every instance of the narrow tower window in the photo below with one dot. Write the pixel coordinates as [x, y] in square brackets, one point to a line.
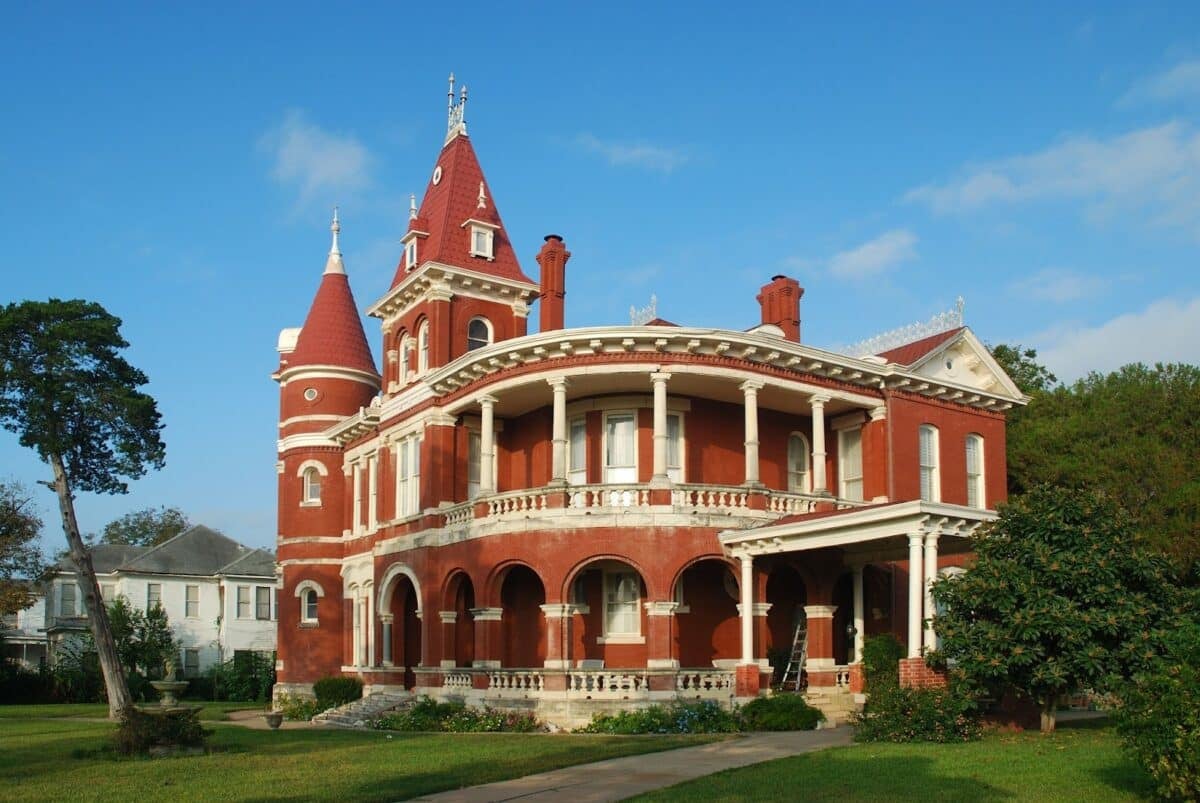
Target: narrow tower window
[479, 333]
[423, 347]
[798, 464]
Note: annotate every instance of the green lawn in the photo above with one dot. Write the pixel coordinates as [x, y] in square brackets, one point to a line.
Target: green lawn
[65, 759]
[212, 712]
[1077, 763]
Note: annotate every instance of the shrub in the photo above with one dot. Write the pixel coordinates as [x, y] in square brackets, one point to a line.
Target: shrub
[247, 677]
[139, 733]
[20, 685]
[780, 712]
[695, 717]
[881, 660]
[1159, 719]
[334, 691]
[296, 707]
[429, 715]
[897, 714]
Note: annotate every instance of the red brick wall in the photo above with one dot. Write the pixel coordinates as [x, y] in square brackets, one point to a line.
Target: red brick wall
[914, 673]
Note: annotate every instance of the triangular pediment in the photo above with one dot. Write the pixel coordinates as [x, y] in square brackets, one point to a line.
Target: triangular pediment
[964, 360]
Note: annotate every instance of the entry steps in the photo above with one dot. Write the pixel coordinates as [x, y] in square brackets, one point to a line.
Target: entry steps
[360, 713]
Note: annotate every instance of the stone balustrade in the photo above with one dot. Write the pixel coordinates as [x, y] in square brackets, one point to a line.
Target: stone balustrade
[505, 682]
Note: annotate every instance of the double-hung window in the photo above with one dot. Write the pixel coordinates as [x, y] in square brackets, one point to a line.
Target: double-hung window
[675, 447]
[357, 512]
[622, 593]
[408, 477]
[153, 596]
[850, 463]
[191, 602]
[797, 457]
[930, 484]
[243, 602]
[308, 610]
[975, 489]
[474, 457]
[372, 491]
[577, 452]
[402, 358]
[423, 348]
[262, 602]
[479, 334]
[620, 448]
[66, 600]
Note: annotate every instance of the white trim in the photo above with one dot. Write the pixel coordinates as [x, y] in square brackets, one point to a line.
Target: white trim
[491, 332]
[305, 585]
[604, 467]
[387, 587]
[625, 401]
[326, 372]
[843, 436]
[806, 452]
[935, 473]
[309, 419]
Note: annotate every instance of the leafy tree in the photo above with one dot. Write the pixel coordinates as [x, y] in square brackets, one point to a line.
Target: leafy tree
[1060, 597]
[67, 393]
[1134, 435]
[20, 558]
[146, 527]
[145, 643]
[1022, 367]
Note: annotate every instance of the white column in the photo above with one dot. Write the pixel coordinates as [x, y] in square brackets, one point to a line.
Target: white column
[659, 380]
[558, 461]
[750, 388]
[356, 644]
[747, 609]
[916, 595]
[860, 622]
[370, 617]
[386, 622]
[487, 445]
[931, 555]
[818, 443]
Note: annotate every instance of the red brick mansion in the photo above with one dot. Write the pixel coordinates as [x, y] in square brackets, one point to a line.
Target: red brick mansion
[569, 519]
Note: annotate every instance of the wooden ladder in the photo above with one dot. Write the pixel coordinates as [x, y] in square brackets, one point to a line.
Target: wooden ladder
[795, 668]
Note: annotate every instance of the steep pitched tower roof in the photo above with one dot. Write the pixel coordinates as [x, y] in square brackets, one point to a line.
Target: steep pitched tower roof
[457, 203]
[332, 333]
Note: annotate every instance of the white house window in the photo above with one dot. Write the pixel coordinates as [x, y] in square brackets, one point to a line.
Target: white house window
[372, 491]
[850, 463]
[479, 333]
[312, 486]
[356, 512]
[153, 596]
[423, 348]
[66, 600]
[243, 602]
[403, 358]
[308, 606]
[108, 592]
[930, 485]
[975, 490]
[797, 457]
[620, 448]
[675, 447]
[408, 477]
[621, 597]
[191, 663]
[577, 452]
[191, 602]
[474, 457]
[481, 242]
[262, 602]
[410, 254]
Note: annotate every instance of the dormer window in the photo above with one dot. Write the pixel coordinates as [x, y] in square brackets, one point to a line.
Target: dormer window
[483, 238]
[410, 254]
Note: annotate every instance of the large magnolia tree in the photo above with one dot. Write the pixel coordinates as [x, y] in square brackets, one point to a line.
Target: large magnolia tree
[68, 394]
[1061, 596]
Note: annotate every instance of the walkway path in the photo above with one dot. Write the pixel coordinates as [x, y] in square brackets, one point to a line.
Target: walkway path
[619, 778]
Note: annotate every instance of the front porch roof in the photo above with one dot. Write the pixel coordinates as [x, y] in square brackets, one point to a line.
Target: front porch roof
[873, 532]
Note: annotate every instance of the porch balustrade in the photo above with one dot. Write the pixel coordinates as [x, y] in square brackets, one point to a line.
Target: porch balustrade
[592, 497]
[518, 681]
[607, 684]
[457, 680]
[842, 677]
[704, 683]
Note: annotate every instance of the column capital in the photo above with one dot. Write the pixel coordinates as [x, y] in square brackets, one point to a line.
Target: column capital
[558, 382]
[820, 611]
[751, 386]
[486, 614]
[931, 540]
[756, 608]
[448, 617]
[878, 413]
[819, 399]
[660, 376]
[487, 401]
[915, 539]
[557, 610]
[385, 618]
[660, 608]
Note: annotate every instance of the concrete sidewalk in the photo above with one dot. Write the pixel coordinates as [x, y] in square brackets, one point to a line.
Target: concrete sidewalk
[619, 778]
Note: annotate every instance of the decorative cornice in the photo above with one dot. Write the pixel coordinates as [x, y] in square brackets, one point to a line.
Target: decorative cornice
[440, 279]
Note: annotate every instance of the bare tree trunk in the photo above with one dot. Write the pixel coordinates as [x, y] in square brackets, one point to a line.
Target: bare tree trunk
[1049, 707]
[106, 649]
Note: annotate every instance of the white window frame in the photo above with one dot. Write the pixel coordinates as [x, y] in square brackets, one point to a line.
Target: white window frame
[489, 244]
[108, 592]
[930, 471]
[372, 491]
[675, 470]
[577, 474]
[242, 605]
[309, 606]
[151, 597]
[73, 593]
[488, 339]
[356, 481]
[610, 583]
[258, 603]
[423, 348]
[474, 461]
[847, 479]
[609, 473]
[410, 254]
[408, 476]
[976, 487]
[799, 481]
[189, 611]
[402, 359]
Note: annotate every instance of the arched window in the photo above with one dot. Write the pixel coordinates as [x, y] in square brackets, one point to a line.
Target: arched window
[479, 333]
[402, 359]
[975, 490]
[931, 490]
[423, 348]
[312, 485]
[797, 457]
[308, 612]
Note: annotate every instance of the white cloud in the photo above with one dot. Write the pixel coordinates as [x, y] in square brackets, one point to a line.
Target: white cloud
[636, 154]
[875, 256]
[1056, 284]
[1166, 331]
[1155, 171]
[316, 161]
[1181, 81]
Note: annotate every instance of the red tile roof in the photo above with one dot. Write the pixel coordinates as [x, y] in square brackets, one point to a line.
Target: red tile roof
[333, 334]
[448, 204]
[911, 352]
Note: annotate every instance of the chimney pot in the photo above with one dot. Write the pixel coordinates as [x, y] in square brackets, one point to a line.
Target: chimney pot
[552, 260]
[780, 301]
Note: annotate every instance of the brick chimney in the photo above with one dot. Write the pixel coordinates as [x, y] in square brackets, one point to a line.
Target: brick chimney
[780, 302]
[553, 261]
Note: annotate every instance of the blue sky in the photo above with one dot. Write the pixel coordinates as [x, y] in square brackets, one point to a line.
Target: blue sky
[178, 165]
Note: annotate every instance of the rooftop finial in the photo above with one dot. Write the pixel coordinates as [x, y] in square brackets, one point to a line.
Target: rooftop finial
[961, 304]
[334, 263]
[456, 123]
[482, 197]
[412, 207]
